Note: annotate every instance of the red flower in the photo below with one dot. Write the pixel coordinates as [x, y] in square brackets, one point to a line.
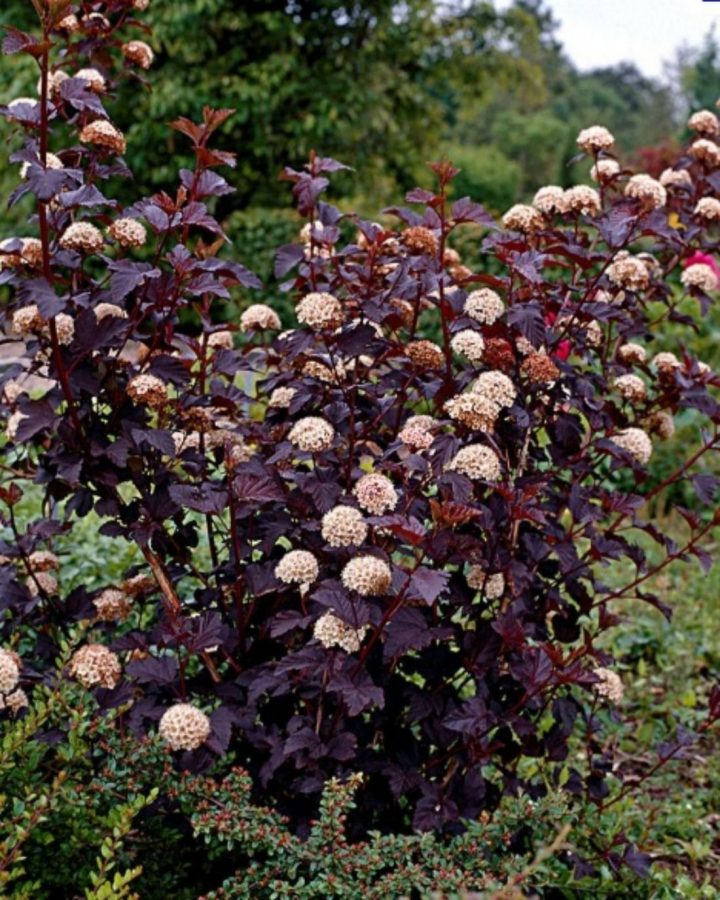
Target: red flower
[562, 351]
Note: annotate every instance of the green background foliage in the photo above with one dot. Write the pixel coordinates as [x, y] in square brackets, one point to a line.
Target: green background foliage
[385, 86]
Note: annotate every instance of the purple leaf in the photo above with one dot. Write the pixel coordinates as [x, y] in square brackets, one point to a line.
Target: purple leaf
[287, 258]
[429, 583]
[155, 670]
[466, 210]
[16, 41]
[471, 719]
[209, 184]
[128, 275]
[78, 94]
[328, 164]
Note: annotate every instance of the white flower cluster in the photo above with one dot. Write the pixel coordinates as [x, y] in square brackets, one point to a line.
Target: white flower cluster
[493, 586]
[647, 190]
[700, 275]
[344, 526]
[609, 685]
[635, 442]
[523, 218]
[298, 567]
[367, 575]
[477, 462]
[468, 343]
[184, 727]
[320, 311]
[595, 138]
[333, 632]
[259, 317]
[312, 434]
[376, 494]
[485, 306]
[95, 665]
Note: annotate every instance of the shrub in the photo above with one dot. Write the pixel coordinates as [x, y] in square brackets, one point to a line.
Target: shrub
[50, 797]
[437, 634]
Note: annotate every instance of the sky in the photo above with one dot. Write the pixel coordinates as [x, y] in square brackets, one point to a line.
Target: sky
[602, 32]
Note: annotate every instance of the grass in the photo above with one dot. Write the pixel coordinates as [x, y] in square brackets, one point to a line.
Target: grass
[669, 669]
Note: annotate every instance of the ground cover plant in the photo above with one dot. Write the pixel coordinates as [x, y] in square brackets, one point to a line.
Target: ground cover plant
[383, 547]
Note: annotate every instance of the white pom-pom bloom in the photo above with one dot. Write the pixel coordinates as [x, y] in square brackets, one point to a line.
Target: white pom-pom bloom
[312, 434]
[139, 53]
[82, 236]
[128, 232]
[477, 462]
[421, 421]
[468, 343]
[259, 317]
[95, 665]
[676, 178]
[706, 151]
[666, 362]
[635, 442]
[27, 320]
[281, 397]
[416, 438]
[632, 353]
[523, 218]
[485, 306]
[147, 389]
[474, 410]
[297, 567]
[493, 586]
[102, 133]
[13, 423]
[376, 494]
[43, 561]
[497, 387]
[9, 672]
[14, 701]
[629, 272]
[704, 122]
[604, 170]
[631, 388]
[708, 208]
[609, 685]
[42, 582]
[319, 311]
[103, 310]
[647, 190]
[333, 632]
[367, 575]
[595, 138]
[344, 526]
[700, 275]
[550, 200]
[184, 727]
[65, 328]
[662, 424]
[583, 200]
[220, 340]
[95, 80]
[112, 605]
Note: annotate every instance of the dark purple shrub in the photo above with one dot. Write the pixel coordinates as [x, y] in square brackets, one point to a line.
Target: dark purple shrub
[385, 541]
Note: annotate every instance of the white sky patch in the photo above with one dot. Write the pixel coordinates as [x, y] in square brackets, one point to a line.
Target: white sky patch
[598, 33]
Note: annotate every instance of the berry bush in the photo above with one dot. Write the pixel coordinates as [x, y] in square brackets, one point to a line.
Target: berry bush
[383, 541]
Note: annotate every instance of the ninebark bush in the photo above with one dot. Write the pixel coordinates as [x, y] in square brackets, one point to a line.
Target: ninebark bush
[366, 550]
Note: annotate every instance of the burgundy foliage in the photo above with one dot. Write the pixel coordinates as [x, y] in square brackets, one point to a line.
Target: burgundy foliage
[451, 687]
